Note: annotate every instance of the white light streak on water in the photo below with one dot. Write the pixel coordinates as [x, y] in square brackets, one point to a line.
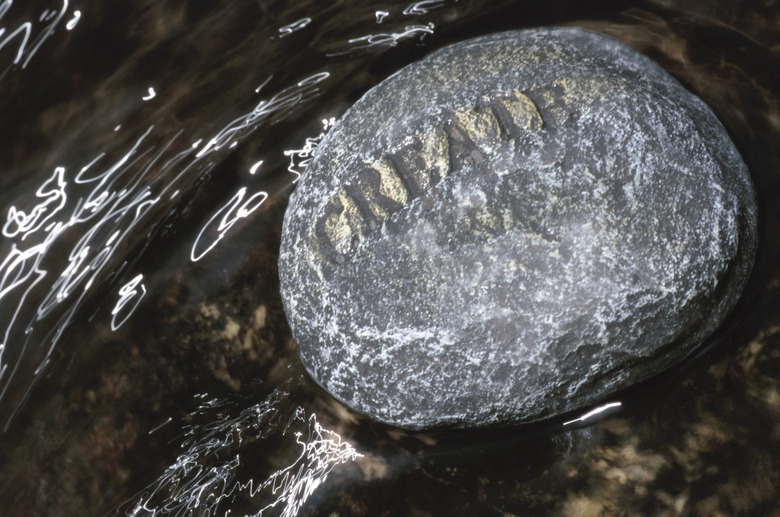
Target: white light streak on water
[294, 26]
[321, 451]
[265, 83]
[420, 8]
[151, 95]
[234, 210]
[103, 217]
[598, 412]
[255, 167]
[313, 79]
[381, 15]
[300, 158]
[391, 39]
[29, 36]
[266, 110]
[73, 21]
[129, 298]
[203, 479]
[167, 421]
[92, 208]
[52, 194]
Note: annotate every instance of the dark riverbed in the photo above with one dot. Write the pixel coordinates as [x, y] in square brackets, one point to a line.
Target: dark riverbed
[149, 149]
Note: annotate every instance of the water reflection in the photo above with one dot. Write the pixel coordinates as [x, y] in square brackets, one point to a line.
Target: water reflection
[30, 35]
[205, 477]
[146, 367]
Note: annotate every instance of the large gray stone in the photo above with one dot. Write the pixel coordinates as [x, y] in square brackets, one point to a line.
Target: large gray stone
[512, 228]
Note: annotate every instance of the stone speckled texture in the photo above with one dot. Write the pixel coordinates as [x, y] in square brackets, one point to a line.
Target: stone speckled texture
[514, 228]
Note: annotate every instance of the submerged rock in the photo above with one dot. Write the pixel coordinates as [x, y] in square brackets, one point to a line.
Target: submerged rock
[513, 228]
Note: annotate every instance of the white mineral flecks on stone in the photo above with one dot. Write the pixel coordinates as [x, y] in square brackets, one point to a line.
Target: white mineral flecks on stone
[513, 228]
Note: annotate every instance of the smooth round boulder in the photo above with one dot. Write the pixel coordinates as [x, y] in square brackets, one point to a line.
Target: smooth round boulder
[513, 228]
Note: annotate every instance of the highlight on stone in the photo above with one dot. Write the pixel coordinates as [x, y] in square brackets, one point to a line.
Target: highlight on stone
[512, 228]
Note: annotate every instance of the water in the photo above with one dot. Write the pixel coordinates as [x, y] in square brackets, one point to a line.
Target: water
[147, 369]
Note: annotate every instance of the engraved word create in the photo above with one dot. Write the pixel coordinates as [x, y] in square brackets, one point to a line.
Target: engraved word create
[396, 178]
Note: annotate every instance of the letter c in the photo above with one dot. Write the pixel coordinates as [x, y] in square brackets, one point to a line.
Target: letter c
[326, 246]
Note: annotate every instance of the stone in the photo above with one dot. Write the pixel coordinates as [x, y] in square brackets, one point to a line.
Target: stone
[511, 229]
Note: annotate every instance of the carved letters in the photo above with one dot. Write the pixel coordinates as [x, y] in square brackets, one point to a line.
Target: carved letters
[398, 177]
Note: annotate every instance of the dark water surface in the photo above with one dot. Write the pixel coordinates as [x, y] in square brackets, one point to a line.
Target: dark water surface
[148, 151]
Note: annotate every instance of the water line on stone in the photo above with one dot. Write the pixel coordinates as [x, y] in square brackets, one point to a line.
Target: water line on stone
[300, 158]
[595, 414]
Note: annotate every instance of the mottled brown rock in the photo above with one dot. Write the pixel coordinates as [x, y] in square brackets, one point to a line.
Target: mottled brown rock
[512, 228]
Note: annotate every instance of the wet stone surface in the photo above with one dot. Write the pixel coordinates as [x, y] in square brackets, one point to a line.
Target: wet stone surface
[513, 228]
